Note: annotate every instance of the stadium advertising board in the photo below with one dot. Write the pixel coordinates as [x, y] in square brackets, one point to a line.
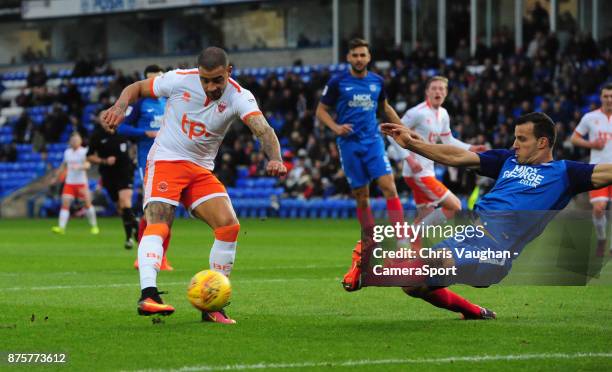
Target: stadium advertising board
[33, 9]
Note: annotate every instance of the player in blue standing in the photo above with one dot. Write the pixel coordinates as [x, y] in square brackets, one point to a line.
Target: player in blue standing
[356, 96]
[143, 121]
[530, 188]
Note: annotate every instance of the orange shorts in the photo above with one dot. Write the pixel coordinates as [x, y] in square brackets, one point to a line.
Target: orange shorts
[180, 181]
[428, 191]
[75, 190]
[601, 195]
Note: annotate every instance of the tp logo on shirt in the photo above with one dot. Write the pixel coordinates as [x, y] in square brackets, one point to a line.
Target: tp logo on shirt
[193, 128]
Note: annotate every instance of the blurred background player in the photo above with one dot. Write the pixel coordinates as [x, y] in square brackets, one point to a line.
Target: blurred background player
[597, 127]
[76, 184]
[142, 123]
[356, 96]
[435, 202]
[110, 151]
[203, 103]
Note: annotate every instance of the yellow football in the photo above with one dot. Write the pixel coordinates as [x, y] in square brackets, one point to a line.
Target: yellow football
[209, 290]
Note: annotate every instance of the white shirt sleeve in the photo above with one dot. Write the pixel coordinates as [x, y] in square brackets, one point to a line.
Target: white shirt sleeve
[410, 119]
[397, 152]
[446, 136]
[164, 85]
[246, 104]
[583, 127]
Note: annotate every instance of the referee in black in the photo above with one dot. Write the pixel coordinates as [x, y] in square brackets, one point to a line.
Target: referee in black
[111, 151]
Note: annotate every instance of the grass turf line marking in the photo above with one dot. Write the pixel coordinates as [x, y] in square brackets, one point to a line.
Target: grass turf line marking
[255, 268]
[119, 285]
[369, 362]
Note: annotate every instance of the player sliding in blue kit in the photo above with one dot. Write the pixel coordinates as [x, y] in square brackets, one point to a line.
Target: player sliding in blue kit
[356, 96]
[143, 122]
[527, 179]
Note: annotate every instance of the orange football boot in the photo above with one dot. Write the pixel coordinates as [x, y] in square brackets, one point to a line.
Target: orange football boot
[352, 279]
[217, 317]
[149, 306]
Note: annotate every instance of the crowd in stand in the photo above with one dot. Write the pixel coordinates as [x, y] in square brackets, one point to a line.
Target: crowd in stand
[486, 92]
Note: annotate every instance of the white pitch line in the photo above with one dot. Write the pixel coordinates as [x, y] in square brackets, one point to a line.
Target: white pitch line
[370, 362]
[135, 284]
[252, 268]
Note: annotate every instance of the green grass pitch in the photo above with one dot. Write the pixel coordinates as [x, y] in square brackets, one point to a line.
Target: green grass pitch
[77, 294]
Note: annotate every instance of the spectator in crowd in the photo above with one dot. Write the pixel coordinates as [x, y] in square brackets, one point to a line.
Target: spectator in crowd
[37, 76]
[8, 152]
[24, 129]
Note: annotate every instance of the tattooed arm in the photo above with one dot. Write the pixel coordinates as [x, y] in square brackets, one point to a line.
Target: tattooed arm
[115, 115]
[264, 132]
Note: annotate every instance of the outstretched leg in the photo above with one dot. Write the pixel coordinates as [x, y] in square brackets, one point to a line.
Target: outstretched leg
[160, 216]
[218, 213]
[444, 298]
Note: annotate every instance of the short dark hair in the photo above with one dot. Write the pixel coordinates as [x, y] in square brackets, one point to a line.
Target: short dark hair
[152, 69]
[213, 57]
[543, 126]
[606, 86]
[358, 42]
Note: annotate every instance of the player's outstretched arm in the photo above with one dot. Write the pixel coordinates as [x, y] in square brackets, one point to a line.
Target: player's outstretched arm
[390, 114]
[602, 175]
[115, 115]
[443, 154]
[264, 132]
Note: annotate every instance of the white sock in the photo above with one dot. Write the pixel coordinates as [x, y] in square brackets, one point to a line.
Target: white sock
[600, 227]
[91, 215]
[150, 253]
[222, 256]
[436, 217]
[64, 215]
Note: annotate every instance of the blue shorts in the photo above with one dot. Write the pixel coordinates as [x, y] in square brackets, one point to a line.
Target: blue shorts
[477, 272]
[363, 162]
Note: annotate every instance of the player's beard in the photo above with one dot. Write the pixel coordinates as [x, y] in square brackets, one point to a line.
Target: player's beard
[357, 70]
[215, 94]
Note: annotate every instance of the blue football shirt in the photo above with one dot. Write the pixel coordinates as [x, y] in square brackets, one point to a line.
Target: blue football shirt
[526, 197]
[356, 102]
[547, 186]
[146, 115]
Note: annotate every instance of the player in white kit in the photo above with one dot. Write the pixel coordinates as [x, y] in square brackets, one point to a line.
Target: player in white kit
[597, 127]
[435, 203]
[76, 184]
[202, 104]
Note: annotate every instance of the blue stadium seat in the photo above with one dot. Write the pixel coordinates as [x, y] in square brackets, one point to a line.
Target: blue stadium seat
[243, 172]
[6, 138]
[24, 147]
